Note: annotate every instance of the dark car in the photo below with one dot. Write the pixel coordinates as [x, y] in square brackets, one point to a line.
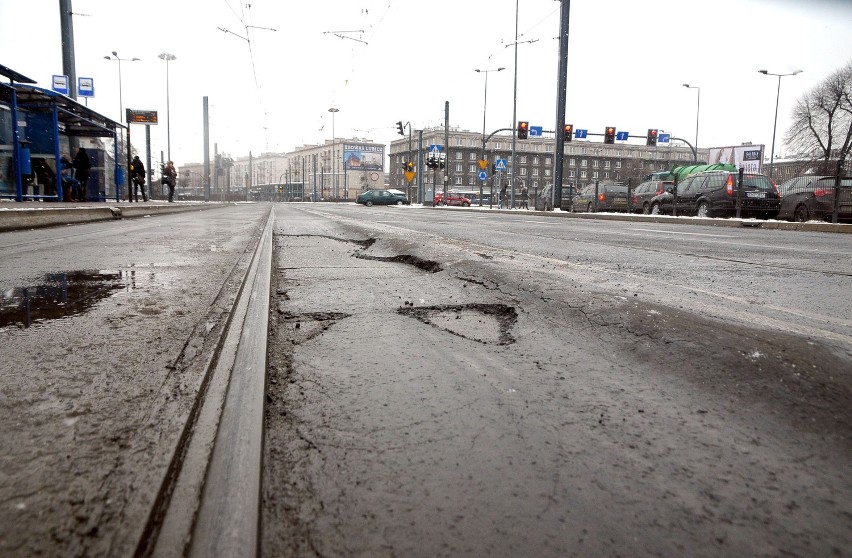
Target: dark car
[544, 200]
[608, 196]
[381, 197]
[714, 194]
[645, 192]
[812, 197]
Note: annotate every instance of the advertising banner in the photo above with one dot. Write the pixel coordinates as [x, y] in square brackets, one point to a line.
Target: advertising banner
[363, 157]
[750, 157]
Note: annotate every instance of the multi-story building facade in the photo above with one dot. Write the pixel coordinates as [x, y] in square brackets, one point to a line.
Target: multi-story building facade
[339, 168]
[584, 161]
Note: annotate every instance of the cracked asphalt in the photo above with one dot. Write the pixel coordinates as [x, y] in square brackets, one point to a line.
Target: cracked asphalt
[435, 398]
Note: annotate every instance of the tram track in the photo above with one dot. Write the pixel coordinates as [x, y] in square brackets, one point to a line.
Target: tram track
[207, 504]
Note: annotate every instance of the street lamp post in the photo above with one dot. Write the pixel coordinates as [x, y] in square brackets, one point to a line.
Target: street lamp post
[775, 123]
[484, 107]
[168, 57]
[120, 60]
[333, 111]
[697, 112]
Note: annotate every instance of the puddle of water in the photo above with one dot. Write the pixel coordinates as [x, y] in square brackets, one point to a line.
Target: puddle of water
[60, 295]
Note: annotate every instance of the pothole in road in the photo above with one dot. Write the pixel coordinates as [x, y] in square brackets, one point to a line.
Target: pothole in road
[429, 266]
[489, 324]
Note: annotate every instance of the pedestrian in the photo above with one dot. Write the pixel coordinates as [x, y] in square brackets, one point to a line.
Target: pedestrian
[70, 185]
[504, 198]
[137, 176]
[82, 168]
[170, 179]
[524, 197]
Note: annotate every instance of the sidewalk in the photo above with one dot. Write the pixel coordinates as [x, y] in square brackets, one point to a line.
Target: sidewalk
[32, 214]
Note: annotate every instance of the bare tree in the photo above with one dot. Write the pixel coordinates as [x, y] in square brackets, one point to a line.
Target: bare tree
[822, 118]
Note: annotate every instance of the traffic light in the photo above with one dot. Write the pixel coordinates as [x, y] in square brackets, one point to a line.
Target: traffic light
[409, 167]
[652, 137]
[442, 159]
[493, 169]
[609, 134]
[568, 132]
[523, 129]
[400, 128]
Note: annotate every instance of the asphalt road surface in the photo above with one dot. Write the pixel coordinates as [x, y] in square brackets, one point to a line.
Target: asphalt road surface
[444, 383]
[437, 382]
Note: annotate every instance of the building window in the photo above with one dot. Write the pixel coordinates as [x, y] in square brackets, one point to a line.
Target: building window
[458, 181]
[618, 164]
[535, 172]
[606, 175]
[584, 163]
[523, 171]
[572, 173]
[523, 159]
[548, 161]
[471, 168]
[472, 156]
[535, 160]
[458, 167]
[547, 172]
[606, 164]
[572, 162]
[460, 142]
[583, 173]
[458, 155]
[595, 174]
[595, 163]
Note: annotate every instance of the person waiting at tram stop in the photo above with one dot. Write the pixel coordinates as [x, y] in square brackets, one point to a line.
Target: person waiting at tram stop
[70, 185]
[170, 179]
[82, 168]
[137, 177]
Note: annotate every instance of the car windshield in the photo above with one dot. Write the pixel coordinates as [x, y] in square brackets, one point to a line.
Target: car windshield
[617, 189]
[757, 181]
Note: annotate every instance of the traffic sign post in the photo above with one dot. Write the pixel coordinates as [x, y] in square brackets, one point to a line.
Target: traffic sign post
[622, 136]
[581, 134]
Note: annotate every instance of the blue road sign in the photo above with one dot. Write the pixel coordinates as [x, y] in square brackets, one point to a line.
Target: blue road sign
[535, 131]
[664, 138]
[500, 165]
[581, 134]
[60, 84]
[622, 136]
[483, 176]
[435, 148]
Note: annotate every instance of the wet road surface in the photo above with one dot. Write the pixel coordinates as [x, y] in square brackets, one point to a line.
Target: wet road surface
[429, 397]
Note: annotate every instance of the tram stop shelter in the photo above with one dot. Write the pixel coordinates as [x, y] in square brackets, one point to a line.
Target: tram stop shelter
[38, 127]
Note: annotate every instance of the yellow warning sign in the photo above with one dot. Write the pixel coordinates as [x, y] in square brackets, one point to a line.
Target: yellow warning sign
[483, 164]
[409, 175]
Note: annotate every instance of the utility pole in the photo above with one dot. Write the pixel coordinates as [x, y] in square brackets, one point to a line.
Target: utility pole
[446, 147]
[561, 95]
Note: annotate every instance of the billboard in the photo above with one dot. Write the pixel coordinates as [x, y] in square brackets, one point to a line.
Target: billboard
[357, 156]
[750, 157]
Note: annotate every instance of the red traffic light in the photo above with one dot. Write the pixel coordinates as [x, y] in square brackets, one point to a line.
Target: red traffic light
[567, 132]
[609, 134]
[523, 129]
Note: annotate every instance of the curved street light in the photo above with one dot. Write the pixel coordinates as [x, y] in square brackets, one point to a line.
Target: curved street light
[697, 112]
[775, 123]
[168, 58]
[120, 60]
[333, 111]
[484, 107]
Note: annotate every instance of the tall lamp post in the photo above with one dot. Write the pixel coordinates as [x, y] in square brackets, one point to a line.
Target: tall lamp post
[168, 57]
[333, 111]
[484, 107]
[120, 60]
[775, 123]
[697, 112]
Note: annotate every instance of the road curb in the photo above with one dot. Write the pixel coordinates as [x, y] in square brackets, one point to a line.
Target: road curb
[811, 226]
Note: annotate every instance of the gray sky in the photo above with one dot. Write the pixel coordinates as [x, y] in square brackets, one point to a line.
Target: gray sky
[401, 60]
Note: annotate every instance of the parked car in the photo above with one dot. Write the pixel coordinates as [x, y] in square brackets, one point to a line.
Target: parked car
[812, 197]
[714, 194]
[453, 198]
[381, 197]
[544, 200]
[609, 196]
[645, 192]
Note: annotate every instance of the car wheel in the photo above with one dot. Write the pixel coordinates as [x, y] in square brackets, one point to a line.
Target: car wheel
[646, 209]
[369, 203]
[703, 209]
[465, 204]
[802, 214]
[399, 202]
[655, 209]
